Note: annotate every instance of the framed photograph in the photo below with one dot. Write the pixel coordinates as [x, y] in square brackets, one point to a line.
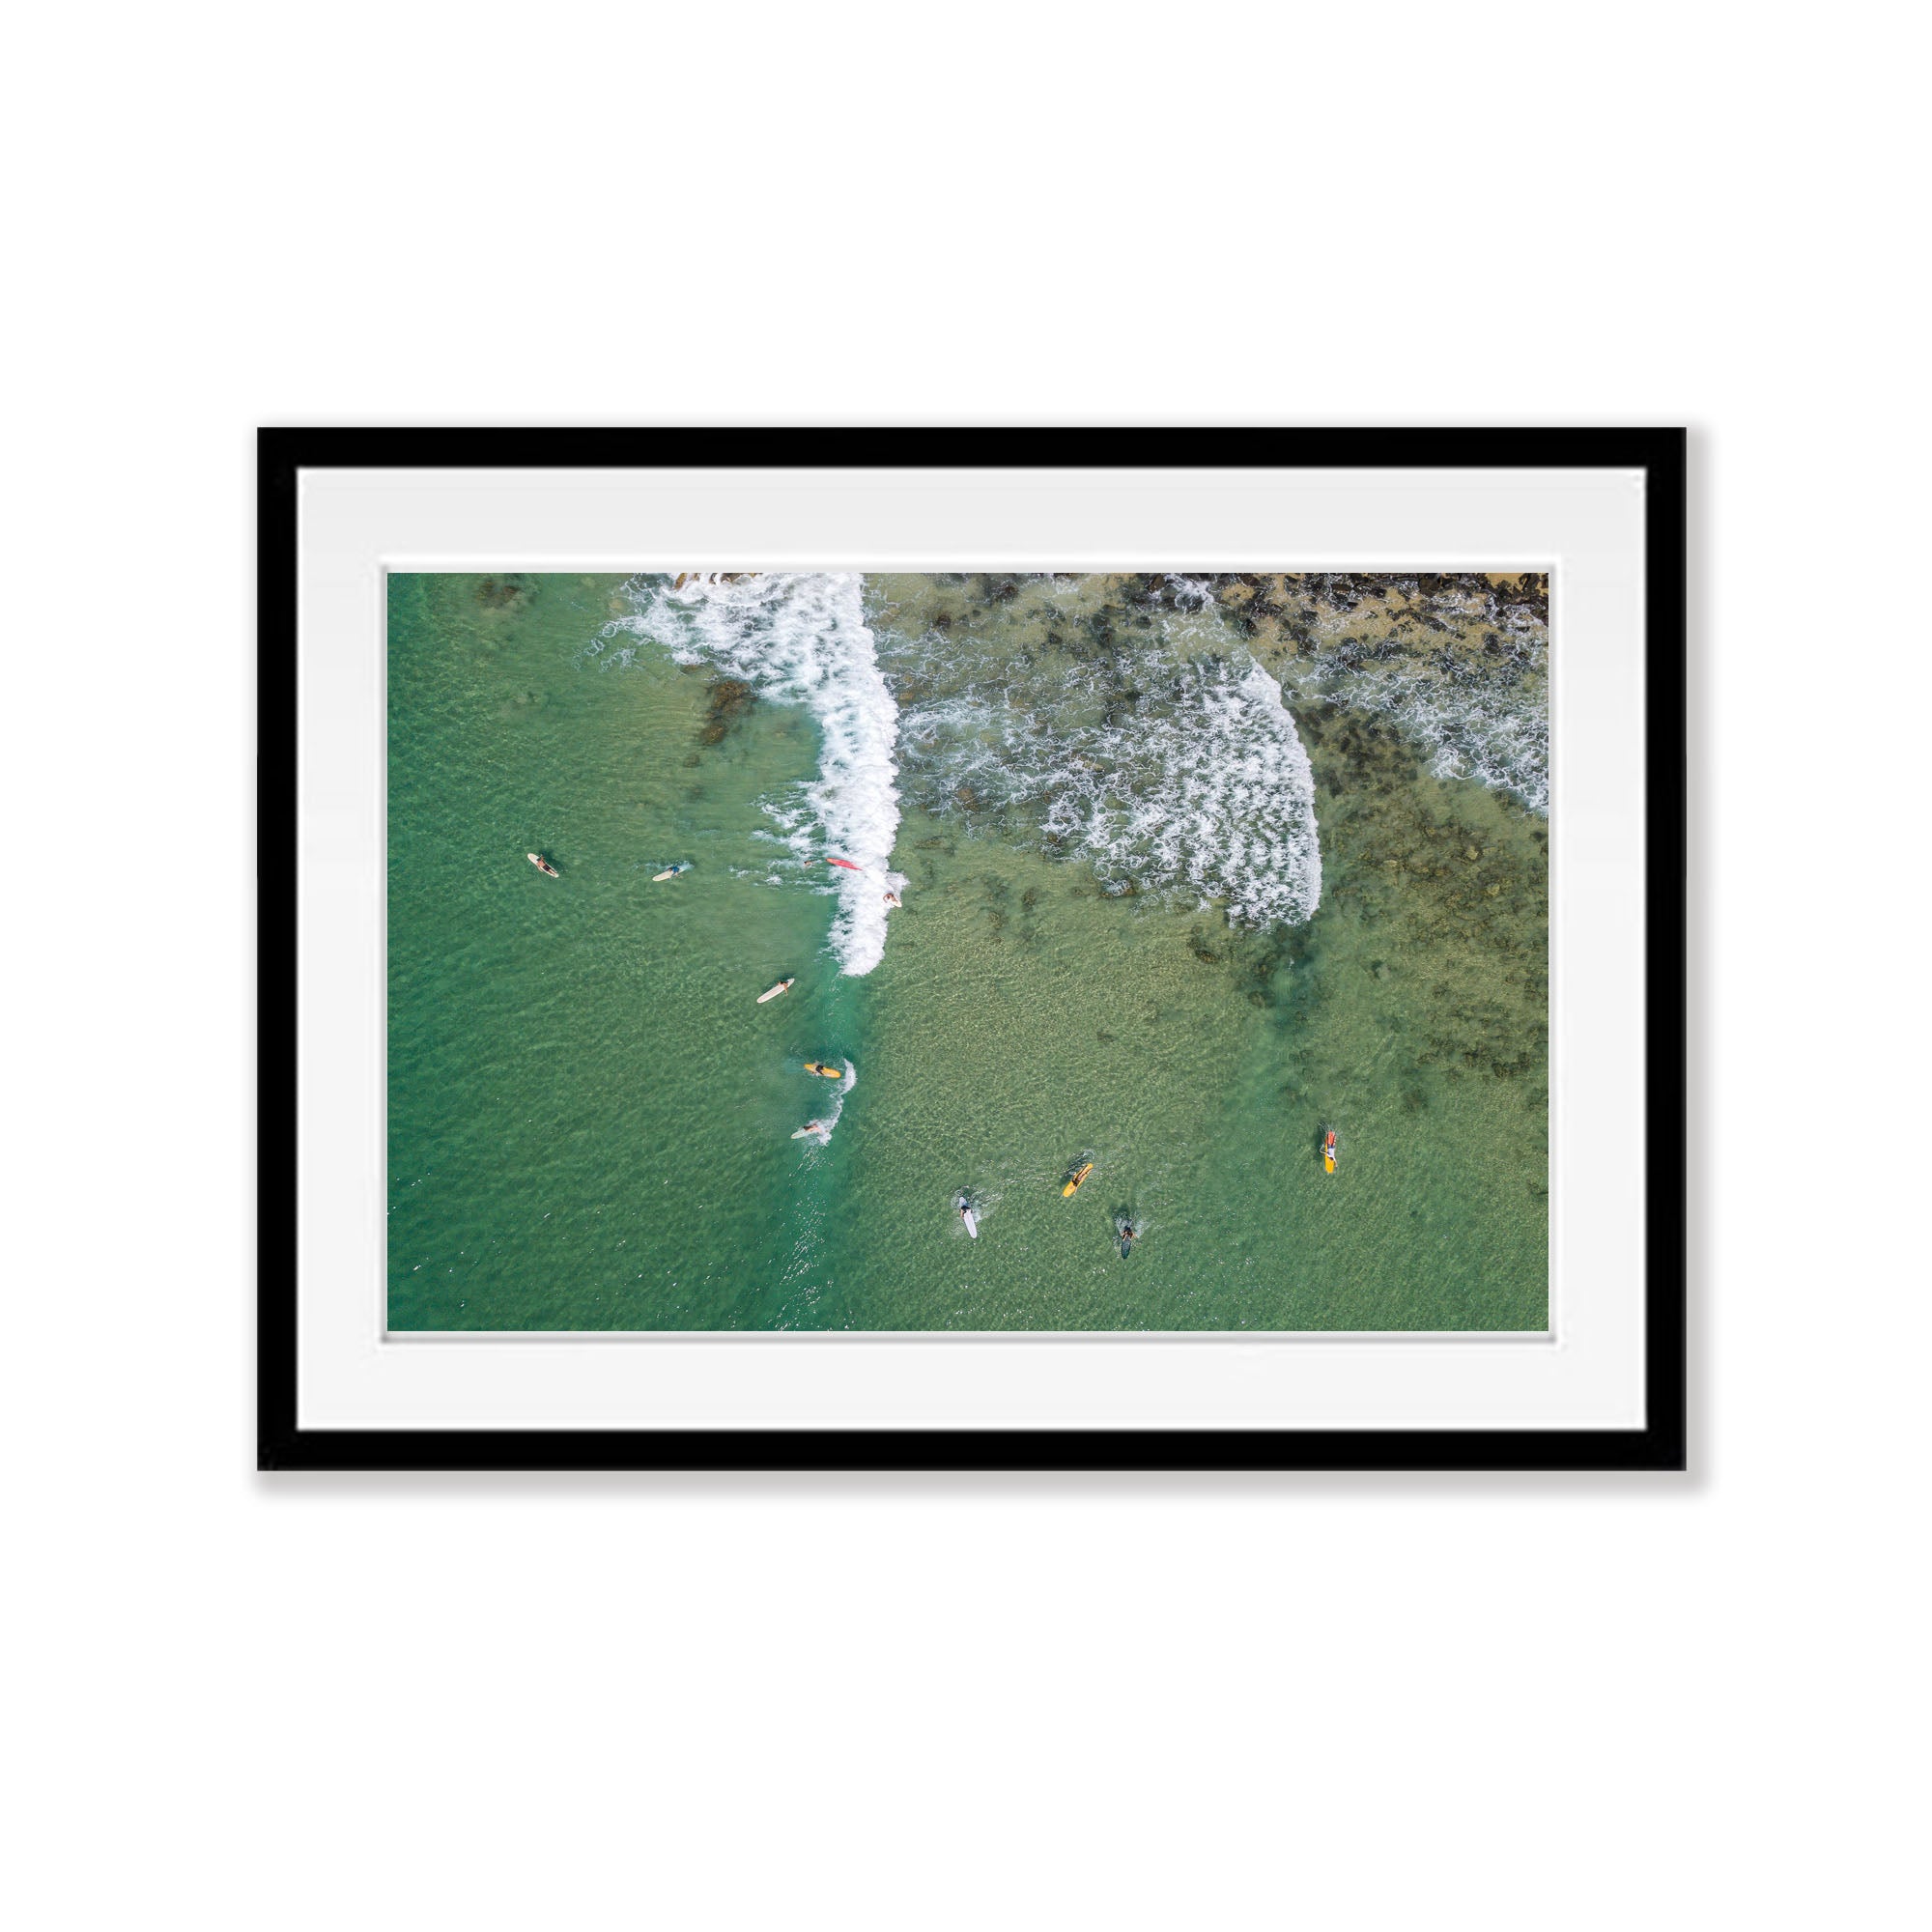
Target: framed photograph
[1128, 948]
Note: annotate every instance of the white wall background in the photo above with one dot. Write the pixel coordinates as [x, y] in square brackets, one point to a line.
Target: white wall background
[230, 1702]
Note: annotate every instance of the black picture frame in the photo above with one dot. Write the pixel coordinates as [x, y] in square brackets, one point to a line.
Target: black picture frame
[1661, 1445]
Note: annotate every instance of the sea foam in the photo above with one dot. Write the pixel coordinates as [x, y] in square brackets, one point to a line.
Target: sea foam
[803, 639]
[1479, 727]
[1472, 694]
[1192, 783]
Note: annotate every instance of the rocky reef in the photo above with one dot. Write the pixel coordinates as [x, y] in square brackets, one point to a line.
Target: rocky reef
[728, 700]
[1403, 687]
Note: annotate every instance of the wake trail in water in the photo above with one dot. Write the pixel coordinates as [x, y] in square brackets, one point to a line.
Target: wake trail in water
[818, 1132]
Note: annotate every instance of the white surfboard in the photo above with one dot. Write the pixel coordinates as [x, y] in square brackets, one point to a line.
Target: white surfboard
[772, 992]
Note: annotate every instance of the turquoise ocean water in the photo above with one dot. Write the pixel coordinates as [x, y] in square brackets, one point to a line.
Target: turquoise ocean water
[1191, 870]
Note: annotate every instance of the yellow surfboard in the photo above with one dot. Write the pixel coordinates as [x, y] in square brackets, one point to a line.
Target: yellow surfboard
[1078, 1175]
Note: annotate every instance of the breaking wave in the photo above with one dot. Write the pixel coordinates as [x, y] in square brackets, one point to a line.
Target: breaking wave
[803, 639]
[1191, 779]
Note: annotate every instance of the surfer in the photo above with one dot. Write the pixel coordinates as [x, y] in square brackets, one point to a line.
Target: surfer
[966, 1214]
[785, 986]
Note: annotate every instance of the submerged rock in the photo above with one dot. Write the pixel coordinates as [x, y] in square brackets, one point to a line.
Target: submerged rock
[726, 702]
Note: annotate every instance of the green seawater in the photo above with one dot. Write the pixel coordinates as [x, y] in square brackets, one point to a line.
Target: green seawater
[591, 1119]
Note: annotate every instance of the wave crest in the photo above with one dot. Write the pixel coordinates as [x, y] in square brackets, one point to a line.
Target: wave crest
[803, 639]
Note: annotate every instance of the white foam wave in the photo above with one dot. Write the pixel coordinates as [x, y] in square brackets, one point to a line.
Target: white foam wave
[1204, 788]
[1476, 703]
[803, 639]
[1498, 735]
